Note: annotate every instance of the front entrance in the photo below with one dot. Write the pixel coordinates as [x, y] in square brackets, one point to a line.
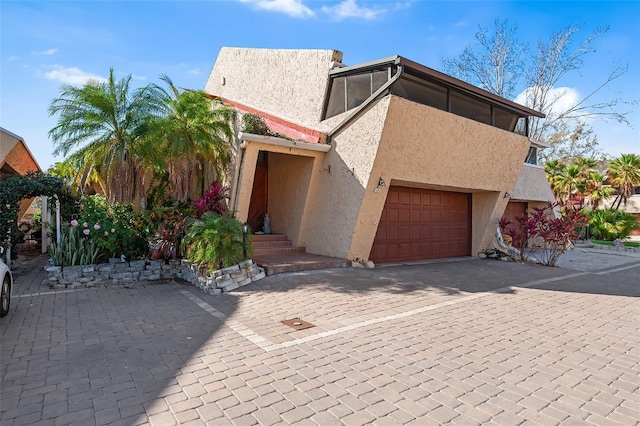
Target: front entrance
[259, 194]
[423, 224]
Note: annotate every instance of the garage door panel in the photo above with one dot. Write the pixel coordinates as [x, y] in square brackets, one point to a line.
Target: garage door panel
[423, 224]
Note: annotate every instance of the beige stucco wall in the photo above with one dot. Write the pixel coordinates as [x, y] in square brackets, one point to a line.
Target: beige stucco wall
[339, 198]
[287, 83]
[410, 144]
[532, 185]
[292, 184]
[289, 178]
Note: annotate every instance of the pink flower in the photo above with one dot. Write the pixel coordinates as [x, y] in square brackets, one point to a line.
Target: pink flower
[74, 222]
[85, 224]
[113, 230]
[96, 226]
[106, 233]
[85, 232]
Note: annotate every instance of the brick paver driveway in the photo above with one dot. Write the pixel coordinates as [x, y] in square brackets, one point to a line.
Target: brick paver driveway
[460, 342]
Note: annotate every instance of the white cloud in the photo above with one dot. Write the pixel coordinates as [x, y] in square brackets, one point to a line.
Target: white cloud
[293, 8]
[12, 58]
[71, 75]
[46, 52]
[138, 77]
[194, 71]
[559, 100]
[350, 9]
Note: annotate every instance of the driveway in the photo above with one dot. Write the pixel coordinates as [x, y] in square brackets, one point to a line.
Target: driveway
[463, 341]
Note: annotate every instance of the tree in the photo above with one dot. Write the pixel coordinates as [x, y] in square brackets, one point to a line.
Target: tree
[191, 132]
[624, 175]
[598, 189]
[496, 61]
[105, 123]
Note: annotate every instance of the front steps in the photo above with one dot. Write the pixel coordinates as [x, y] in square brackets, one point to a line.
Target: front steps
[269, 244]
[276, 254]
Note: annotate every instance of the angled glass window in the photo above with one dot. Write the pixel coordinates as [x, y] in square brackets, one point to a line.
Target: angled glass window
[421, 91]
[532, 155]
[352, 90]
[337, 97]
[466, 106]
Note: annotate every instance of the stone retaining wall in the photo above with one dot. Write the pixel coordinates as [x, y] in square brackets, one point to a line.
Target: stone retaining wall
[153, 270]
[223, 280]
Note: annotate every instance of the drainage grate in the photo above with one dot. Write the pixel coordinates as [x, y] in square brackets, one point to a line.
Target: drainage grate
[297, 323]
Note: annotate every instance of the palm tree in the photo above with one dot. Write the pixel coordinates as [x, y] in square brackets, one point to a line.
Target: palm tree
[567, 183]
[191, 133]
[597, 189]
[104, 122]
[624, 175]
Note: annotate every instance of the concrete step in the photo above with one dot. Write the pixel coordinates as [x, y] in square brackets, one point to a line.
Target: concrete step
[268, 237]
[277, 250]
[270, 244]
[279, 264]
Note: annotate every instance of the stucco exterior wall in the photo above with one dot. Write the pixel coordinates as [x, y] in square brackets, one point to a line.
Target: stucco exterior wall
[288, 83]
[289, 179]
[426, 147]
[340, 194]
[293, 178]
[532, 185]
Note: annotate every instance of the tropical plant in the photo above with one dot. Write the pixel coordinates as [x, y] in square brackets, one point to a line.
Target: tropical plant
[213, 200]
[191, 131]
[597, 189]
[550, 236]
[105, 123]
[611, 224]
[624, 175]
[75, 247]
[214, 242]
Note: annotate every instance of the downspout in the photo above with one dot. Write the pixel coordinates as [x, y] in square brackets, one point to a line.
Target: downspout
[367, 102]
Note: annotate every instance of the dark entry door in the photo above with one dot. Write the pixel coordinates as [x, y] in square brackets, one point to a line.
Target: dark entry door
[259, 194]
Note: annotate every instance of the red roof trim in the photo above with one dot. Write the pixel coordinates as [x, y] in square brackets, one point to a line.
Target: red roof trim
[277, 124]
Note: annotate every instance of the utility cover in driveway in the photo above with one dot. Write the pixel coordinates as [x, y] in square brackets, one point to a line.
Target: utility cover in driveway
[423, 224]
[298, 324]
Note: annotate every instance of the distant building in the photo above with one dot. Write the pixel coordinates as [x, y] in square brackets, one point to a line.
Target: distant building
[16, 159]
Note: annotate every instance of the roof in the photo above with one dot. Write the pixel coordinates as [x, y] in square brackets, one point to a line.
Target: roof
[448, 80]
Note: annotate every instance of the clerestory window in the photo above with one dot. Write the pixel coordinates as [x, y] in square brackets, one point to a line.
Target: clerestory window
[348, 89]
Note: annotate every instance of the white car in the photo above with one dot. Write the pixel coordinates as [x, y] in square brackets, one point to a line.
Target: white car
[7, 283]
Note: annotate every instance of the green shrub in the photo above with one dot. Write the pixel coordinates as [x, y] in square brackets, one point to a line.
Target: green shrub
[214, 242]
[74, 248]
[116, 229]
[610, 225]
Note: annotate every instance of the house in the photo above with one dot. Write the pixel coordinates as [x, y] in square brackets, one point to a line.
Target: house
[388, 160]
[15, 158]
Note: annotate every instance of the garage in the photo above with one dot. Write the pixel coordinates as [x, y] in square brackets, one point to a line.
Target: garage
[423, 224]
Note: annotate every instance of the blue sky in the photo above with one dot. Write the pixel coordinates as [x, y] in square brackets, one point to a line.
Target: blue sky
[46, 43]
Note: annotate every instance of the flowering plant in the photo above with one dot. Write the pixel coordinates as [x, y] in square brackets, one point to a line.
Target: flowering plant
[551, 235]
[213, 200]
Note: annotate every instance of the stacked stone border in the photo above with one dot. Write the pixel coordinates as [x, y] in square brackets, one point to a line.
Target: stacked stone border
[123, 273]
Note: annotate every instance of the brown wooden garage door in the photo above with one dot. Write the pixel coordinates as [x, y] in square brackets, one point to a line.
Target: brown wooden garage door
[423, 224]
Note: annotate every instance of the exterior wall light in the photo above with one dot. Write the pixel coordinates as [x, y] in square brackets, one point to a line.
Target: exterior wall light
[381, 184]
